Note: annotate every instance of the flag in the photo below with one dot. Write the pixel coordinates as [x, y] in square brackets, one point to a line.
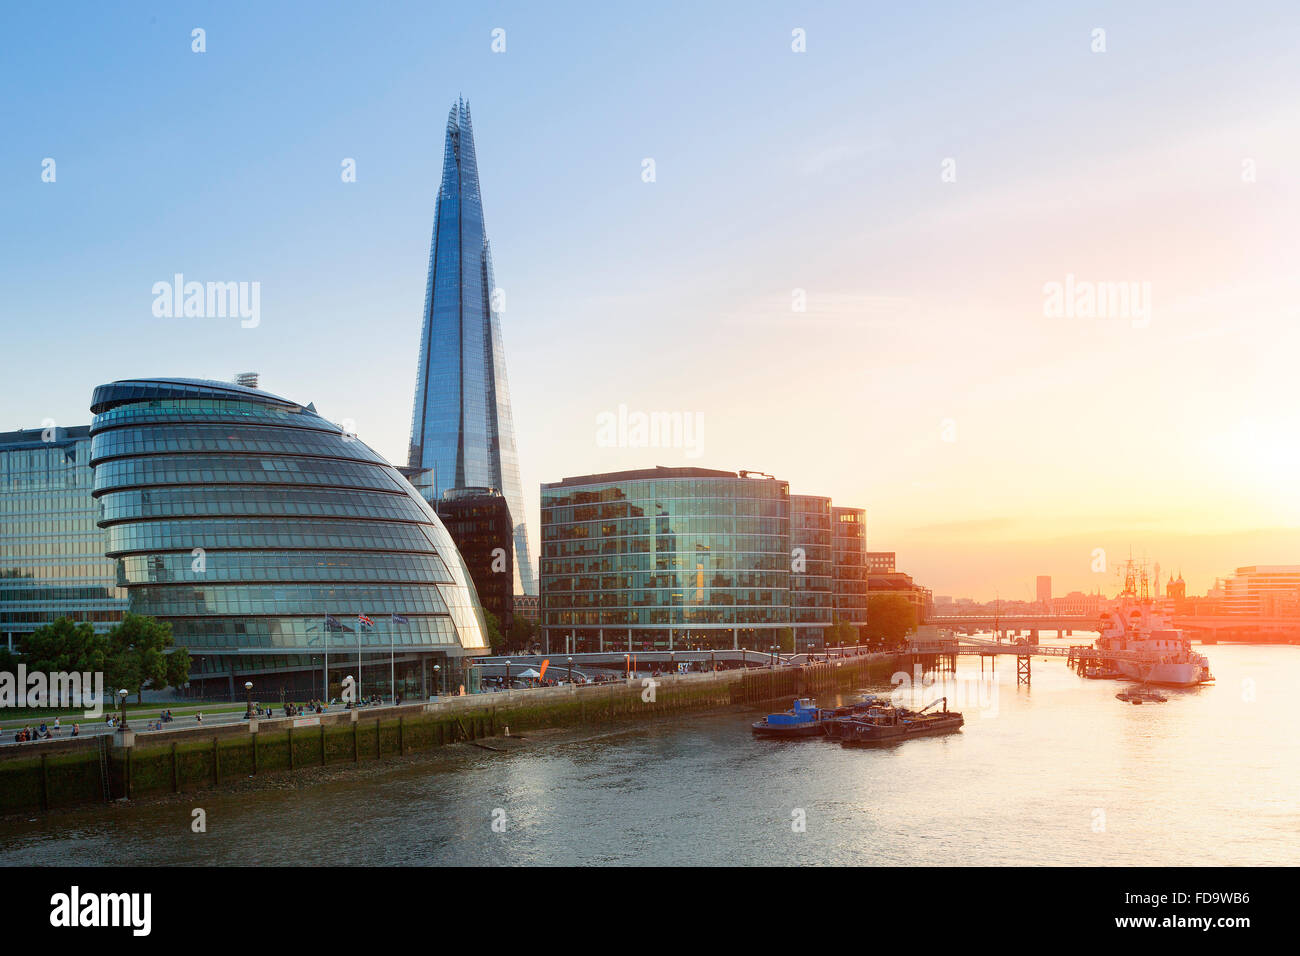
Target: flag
[365, 621]
[398, 619]
[332, 623]
[542, 673]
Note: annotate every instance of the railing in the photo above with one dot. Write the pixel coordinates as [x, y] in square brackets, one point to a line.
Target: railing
[968, 646]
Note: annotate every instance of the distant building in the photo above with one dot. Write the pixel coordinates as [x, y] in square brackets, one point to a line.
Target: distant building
[880, 562]
[849, 538]
[527, 608]
[52, 561]
[1045, 589]
[247, 379]
[896, 582]
[1077, 604]
[478, 520]
[1264, 590]
[1176, 590]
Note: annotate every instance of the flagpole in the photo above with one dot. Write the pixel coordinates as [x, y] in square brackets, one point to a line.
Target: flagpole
[392, 660]
[358, 658]
[325, 634]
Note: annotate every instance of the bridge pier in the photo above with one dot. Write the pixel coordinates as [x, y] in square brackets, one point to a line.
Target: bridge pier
[1023, 670]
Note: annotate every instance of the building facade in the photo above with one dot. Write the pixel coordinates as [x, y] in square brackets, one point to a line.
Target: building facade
[849, 549]
[881, 562]
[1271, 590]
[52, 561]
[896, 582]
[462, 428]
[278, 546]
[478, 520]
[1044, 589]
[528, 607]
[812, 571]
[664, 559]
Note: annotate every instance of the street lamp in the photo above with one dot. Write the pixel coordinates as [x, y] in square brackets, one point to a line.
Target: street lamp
[437, 680]
[570, 670]
[773, 655]
[122, 694]
[507, 675]
[248, 690]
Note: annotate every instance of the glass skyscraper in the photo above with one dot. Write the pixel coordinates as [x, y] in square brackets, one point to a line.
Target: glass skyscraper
[462, 431]
[262, 533]
[52, 561]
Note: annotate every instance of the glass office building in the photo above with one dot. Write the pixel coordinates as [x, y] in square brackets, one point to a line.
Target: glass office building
[462, 430]
[849, 536]
[261, 533]
[52, 561]
[664, 559]
[812, 571]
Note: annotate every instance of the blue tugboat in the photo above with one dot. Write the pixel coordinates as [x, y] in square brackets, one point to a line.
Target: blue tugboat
[802, 720]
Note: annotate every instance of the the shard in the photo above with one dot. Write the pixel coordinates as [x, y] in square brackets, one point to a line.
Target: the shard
[462, 432]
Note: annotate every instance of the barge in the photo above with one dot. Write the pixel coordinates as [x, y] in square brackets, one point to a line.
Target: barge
[886, 724]
[805, 719]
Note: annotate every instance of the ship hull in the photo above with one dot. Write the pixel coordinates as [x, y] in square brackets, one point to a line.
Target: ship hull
[1166, 675]
[762, 728]
[875, 736]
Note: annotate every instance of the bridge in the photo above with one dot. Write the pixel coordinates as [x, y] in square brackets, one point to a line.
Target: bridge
[1062, 623]
[1207, 627]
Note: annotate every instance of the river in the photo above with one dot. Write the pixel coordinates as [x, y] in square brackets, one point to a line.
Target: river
[1059, 772]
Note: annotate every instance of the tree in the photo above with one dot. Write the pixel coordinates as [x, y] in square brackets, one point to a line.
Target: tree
[890, 618]
[65, 646]
[841, 634]
[522, 633]
[496, 640]
[138, 658]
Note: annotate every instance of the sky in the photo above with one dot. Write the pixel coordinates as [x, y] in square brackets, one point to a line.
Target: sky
[847, 267]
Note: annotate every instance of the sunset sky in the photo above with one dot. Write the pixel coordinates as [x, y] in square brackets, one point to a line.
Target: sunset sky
[925, 381]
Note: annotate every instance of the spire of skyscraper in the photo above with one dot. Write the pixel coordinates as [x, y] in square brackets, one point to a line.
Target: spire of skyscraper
[462, 429]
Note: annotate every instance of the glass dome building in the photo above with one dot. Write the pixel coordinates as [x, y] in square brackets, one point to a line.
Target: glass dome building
[270, 539]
